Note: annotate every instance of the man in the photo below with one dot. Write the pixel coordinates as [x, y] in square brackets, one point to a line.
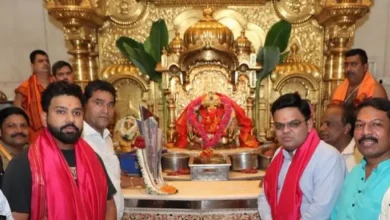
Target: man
[59, 176]
[28, 94]
[359, 83]
[62, 70]
[13, 133]
[99, 113]
[305, 176]
[337, 125]
[365, 185]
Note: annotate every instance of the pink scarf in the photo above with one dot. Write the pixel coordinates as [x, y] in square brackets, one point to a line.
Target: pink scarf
[55, 194]
[289, 205]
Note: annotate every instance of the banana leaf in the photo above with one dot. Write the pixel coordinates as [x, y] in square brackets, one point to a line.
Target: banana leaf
[135, 52]
[279, 35]
[270, 58]
[157, 40]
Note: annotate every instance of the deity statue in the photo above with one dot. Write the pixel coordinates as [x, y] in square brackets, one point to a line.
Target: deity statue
[125, 133]
[214, 120]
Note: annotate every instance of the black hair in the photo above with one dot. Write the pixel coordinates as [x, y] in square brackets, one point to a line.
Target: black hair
[381, 104]
[34, 54]
[58, 65]
[99, 85]
[6, 112]
[59, 88]
[292, 100]
[362, 54]
[348, 116]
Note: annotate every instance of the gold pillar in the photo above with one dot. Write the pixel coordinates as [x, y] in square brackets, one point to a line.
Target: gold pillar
[339, 19]
[80, 20]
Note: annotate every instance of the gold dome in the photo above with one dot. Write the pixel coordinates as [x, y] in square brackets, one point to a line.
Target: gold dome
[177, 44]
[208, 31]
[294, 63]
[242, 45]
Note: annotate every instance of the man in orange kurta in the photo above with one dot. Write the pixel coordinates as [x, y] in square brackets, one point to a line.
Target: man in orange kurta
[359, 82]
[28, 94]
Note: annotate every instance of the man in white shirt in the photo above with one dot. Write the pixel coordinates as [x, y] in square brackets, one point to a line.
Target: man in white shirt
[99, 113]
[337, 125]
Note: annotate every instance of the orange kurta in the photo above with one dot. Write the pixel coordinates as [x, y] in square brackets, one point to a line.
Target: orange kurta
[31, 90]
[366, 89]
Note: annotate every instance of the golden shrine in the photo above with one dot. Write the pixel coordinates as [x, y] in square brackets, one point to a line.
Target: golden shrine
[211, 50]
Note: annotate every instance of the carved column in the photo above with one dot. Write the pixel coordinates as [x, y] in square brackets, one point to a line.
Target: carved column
[80, 20]
[338, 18]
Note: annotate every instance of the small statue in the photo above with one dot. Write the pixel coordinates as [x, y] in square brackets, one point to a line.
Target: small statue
[126, 130]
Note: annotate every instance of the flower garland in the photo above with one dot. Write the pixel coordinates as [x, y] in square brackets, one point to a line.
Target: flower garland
[193, 120]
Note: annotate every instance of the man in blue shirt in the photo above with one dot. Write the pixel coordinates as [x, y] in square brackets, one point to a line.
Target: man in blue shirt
[306, 175]
[366, 184]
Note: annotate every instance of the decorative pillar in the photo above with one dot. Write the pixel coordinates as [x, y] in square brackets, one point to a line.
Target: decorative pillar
[171, 134]
[80, 20]
[338, 18]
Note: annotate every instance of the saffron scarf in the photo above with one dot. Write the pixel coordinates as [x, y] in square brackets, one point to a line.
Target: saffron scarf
[289, 204]
[31, 91]
[55, 194]
[366, 89]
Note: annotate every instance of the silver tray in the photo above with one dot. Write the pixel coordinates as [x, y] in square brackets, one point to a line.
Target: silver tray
[210, 172]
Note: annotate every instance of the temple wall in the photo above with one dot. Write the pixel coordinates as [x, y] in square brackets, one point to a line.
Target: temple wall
[22, 34]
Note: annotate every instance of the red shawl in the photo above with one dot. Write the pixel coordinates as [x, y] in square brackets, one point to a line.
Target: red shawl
[289, 204]
[55, 194]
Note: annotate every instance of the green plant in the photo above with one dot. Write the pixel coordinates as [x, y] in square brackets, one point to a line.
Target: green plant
[271, 54]
[146, 56]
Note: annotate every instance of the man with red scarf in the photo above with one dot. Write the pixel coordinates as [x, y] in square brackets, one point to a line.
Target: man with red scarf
[305, 176]
[60, 176]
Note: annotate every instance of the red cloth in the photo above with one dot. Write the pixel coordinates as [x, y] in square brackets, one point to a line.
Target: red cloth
[31, 91]
[55, 194]
[289, 205]
[245, 123]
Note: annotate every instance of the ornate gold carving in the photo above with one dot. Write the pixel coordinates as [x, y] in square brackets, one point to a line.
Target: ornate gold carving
[126, 12]
[132, 88]
[295, 64]
[80, 23]
[242, 45]
[176, 46]
[208, 31]
[207, 3]
[309, 37]
[295, 11]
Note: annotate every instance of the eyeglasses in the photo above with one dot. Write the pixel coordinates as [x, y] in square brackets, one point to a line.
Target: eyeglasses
[290, 125]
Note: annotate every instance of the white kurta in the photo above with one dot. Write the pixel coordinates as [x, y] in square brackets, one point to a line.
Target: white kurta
[103, 146]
